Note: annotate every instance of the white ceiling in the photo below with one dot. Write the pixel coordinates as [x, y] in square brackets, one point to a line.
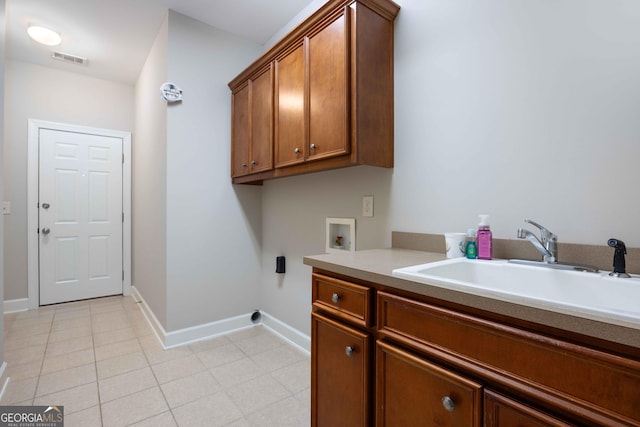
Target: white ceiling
[116, 35]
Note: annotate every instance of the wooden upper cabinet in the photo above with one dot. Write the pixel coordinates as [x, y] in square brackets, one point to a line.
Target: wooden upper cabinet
[252, 119]
[240, 134]
[291, 142]
[333, 91]
[262, 122]
[328, 97]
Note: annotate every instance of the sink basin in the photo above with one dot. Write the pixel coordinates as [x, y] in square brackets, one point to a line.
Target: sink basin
[597, 296]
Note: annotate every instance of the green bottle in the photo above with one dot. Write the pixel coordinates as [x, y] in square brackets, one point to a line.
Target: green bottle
[471, 248]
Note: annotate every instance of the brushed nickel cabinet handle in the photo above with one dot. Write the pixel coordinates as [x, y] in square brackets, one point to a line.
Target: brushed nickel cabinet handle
[448, 403]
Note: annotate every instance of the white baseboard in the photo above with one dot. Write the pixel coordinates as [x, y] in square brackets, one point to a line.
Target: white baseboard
[15, 305]
[4, 379]
[210, 330]
[153, 321]
[290, 334]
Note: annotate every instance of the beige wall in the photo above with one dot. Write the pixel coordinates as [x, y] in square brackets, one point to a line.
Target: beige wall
[520, 110]
[36, 92]
[213, 228]
[149, 192]
[2, 49]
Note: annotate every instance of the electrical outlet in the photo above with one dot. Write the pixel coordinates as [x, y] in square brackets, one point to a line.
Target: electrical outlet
[6, 208]
[367, 206]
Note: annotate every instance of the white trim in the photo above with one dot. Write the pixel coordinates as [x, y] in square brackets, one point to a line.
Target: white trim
[213, 329]
[207, 330]
[15, 305]
[290, 334]
[153, 321]
[32, 201]
[4, 379]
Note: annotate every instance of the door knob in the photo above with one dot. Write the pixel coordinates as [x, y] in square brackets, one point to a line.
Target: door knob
[45, 205]
[46, 231]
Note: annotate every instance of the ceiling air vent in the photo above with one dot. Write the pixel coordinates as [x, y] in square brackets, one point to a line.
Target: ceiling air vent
[69, 58]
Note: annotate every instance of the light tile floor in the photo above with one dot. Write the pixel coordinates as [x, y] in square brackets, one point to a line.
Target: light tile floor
[100, 359]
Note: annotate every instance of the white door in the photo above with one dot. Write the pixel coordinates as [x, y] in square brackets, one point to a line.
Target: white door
[80, 216]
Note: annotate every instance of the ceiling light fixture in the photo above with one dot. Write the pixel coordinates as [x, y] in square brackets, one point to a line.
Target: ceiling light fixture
[44, 35]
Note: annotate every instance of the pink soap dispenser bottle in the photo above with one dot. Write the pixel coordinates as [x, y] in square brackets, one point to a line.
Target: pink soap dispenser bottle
[484, 239]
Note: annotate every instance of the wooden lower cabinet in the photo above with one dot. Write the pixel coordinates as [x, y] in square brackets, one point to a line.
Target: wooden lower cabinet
[414, 361]
[501, 411]
[340, 374]
[411, 391]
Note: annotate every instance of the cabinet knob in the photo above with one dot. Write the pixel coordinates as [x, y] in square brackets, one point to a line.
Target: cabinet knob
[244, 165]
[313, 146]
[296, 150]
[448, 403]
[253, 162]
[335, 298]
[348, 351]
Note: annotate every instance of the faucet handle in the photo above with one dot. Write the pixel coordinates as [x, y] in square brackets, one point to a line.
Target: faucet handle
[546, 234]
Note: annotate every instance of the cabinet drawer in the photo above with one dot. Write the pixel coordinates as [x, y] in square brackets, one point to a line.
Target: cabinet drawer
[585, 383]
[435, 397]
[348, 301]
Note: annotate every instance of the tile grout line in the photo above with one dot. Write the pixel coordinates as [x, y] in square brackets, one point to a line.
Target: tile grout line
[144, 353]
[95, 365]
[44, 356]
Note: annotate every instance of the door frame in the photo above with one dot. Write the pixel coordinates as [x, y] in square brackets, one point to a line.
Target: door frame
[33, 265]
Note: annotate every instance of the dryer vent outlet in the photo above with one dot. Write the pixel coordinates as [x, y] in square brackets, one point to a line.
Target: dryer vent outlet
[256, 316]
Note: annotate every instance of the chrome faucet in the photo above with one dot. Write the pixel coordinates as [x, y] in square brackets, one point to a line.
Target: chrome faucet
[547, 245]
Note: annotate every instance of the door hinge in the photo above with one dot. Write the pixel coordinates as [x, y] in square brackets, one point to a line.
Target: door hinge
[123, 275]
[123, 158]
[122, 216]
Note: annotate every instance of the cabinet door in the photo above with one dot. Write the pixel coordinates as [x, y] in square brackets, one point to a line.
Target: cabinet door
[502, 411]
[328, 68]
[410, 391]
[340, 373]
[290, 140]
[241, 134]
[261, 158]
